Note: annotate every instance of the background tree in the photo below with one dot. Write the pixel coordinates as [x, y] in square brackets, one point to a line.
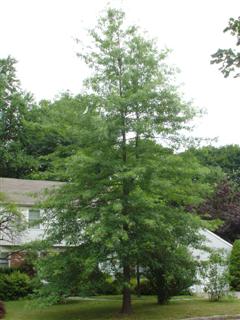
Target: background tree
[226, 158]
[125, 188]
[229, 59]
[54, 131]
[223, 205]
[234, 266]
[14, 105]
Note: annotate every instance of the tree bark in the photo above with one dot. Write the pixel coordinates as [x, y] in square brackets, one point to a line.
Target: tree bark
[138, 282]
[2, 310]
[126, 302]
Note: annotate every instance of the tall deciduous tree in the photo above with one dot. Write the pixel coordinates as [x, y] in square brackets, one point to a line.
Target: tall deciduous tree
[125, 189]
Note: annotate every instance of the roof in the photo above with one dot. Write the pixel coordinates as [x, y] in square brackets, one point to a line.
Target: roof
[25, 192]
[228, 244]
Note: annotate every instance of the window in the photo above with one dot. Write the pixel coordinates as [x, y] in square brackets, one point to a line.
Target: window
[4, 259]
[34, 218]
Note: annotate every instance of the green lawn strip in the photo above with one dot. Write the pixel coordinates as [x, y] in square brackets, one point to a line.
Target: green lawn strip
[144, 309]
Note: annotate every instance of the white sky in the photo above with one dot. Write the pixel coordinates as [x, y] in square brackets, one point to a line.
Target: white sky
[40, 33]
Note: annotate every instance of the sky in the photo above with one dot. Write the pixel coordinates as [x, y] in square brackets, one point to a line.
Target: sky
[40, 35]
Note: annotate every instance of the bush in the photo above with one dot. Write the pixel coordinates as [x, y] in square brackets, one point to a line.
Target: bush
[217, 276]
[109, 286]
[14, 285]
[145, 287]
[170, 272]
[234, 267]
[8, 270]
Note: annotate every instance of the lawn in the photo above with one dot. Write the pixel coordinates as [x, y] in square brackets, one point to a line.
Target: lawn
[107, 309]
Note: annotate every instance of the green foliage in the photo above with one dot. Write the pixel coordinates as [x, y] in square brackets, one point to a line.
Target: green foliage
[170, 271]
[226, 158]
[71, 272]
[223, 204]
[14, 105]
[28, 264]
[229, 59]
[109, 286]
[14, 285]
[216, 276]
[234, 266]
[145, 288]
[8, 270]
[56, 131]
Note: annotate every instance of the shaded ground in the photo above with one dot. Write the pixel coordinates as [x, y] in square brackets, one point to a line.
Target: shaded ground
[108, 307]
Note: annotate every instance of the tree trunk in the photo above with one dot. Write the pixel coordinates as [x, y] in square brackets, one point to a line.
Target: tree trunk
[2, 310]
[126, 301]
[138, 282]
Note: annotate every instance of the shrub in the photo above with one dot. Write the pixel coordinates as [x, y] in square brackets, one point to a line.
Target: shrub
[145, 288]
[170, 272]
[216, 275]
[8, 270]
[109, 286]
[14, 285]
[234, 266]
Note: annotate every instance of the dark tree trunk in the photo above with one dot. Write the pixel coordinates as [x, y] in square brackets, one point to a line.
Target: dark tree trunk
[2, 310]
[138, 282]
[126, 302]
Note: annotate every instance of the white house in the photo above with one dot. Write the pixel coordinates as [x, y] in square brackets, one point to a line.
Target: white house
[25, 194]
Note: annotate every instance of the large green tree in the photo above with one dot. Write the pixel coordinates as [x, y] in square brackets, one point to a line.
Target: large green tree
[225, 159]
[54, 131]
[14, 105]
[125, 189]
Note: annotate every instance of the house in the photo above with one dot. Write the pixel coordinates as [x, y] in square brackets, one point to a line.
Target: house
[26, 193]
[213, 242]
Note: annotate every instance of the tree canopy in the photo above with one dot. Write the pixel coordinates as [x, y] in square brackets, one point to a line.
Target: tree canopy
[14, 105]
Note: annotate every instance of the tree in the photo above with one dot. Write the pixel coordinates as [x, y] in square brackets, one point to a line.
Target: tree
[126, 189]
[226, 158]
[54, 131]
[229, 59]
[14, 104]
[223, 205]
[234, 266]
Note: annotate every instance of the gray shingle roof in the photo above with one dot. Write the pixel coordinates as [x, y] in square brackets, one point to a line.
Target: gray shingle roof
[25, 192]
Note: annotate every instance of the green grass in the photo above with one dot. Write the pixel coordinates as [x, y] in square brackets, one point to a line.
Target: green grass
[144, 309]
